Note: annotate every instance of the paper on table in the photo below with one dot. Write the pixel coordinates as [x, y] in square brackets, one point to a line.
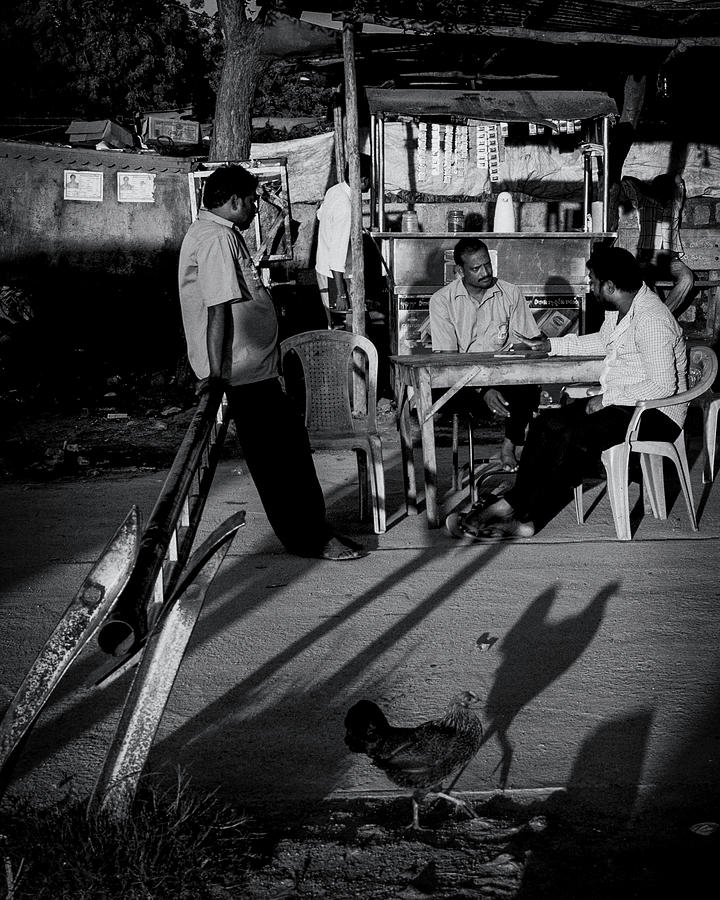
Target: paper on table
[525, 353]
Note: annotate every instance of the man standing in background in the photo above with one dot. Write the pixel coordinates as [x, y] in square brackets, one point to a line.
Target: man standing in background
[332, 260]
[659, 206]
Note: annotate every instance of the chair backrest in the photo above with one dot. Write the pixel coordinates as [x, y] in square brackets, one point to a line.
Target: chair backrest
[333, 362]
[702, 369]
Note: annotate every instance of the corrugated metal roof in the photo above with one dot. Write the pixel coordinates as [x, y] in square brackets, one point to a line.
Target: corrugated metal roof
[668, 20]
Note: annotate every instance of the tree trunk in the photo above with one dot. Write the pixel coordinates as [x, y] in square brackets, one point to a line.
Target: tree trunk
[241, 69]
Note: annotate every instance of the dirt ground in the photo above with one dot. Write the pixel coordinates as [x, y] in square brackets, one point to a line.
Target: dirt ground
[363, 849]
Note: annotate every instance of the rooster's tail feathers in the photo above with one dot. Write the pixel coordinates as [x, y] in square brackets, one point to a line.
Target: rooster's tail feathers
[364, 723]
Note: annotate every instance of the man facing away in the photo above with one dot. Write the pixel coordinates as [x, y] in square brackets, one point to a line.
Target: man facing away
[332, 263]
[645, 359]
[231, 331]
[659, 249]
[478, 313]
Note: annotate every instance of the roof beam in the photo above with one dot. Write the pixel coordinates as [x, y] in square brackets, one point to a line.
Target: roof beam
[548, 37]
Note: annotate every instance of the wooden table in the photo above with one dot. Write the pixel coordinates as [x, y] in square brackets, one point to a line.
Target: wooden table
[453, 371]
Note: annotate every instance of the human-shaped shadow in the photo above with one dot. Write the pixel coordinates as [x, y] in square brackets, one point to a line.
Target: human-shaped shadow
[599, 801]
[536, 652]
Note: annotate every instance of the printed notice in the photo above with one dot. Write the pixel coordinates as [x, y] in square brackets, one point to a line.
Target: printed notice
[82, 185]
[135, 187]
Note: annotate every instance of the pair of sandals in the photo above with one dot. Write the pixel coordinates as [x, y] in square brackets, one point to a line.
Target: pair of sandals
[502, 529]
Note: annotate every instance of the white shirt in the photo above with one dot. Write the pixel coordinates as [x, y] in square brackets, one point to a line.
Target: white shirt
[334, 216]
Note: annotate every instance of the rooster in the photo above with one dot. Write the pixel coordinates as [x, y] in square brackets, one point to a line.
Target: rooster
[422, 757]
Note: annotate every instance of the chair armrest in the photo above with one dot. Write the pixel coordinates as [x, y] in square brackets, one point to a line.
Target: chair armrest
[683, 397]
[664, 401]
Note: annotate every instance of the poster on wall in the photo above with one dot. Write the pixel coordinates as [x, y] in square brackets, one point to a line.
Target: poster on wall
[82, 185]
[135, 187]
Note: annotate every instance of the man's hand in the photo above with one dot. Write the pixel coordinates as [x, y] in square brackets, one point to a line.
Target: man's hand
[594, 404]
[208, 385]
[537, 343]
[496, 403]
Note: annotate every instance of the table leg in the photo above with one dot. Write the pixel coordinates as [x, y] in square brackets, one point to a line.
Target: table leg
[423, 399]
[406, 448]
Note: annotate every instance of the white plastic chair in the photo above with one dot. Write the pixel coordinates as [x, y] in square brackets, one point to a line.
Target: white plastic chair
[703, 366]
[710, 424]
[329, 361]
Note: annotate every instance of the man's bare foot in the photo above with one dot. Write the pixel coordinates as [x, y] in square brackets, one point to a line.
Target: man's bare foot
[508, 456]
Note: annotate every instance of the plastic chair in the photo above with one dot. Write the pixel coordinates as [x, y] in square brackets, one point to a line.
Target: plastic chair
[710, 424]
[702, 371]
[329, 360]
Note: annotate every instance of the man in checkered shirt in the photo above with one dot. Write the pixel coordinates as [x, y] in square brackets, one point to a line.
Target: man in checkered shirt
[645, 359]
[659, 249]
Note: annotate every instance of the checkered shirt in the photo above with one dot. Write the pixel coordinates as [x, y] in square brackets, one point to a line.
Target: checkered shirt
[645, 356]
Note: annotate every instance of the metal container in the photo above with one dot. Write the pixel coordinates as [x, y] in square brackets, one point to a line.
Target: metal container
[409, 221]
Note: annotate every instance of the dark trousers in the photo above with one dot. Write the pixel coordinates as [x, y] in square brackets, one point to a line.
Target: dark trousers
[522, 400]
[565, 444]
[276, 448]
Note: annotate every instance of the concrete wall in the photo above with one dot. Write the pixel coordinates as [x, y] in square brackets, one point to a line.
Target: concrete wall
[41, 233]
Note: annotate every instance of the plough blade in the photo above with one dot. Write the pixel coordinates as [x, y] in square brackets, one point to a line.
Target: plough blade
[79, 622]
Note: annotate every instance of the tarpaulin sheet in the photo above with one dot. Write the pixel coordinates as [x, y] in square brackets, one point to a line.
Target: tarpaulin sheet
[310, 165]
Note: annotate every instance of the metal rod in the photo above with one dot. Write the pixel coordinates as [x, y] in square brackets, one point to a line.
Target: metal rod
[373, 183]
[606, 168]
[381, 173]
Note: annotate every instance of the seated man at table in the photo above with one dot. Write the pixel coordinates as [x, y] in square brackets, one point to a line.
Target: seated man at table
[645, 359]
[478, 313]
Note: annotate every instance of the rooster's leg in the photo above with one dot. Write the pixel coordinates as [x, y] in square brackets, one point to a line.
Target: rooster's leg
[415, 824]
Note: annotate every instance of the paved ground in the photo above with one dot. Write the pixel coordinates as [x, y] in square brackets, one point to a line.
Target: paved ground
[601, 677]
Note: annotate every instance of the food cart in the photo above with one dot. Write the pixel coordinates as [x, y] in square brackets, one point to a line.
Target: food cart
[453, 142]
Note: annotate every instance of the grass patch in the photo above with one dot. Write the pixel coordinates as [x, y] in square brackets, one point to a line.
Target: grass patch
[175, 843]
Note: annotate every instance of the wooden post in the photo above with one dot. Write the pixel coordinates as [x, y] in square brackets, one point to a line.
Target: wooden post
[357, 289]
[339, 135]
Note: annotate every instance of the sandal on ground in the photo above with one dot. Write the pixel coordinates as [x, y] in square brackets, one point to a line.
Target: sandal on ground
[508, 529]
[341, 550]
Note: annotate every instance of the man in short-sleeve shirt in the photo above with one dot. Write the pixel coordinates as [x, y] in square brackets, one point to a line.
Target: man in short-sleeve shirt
[478, 313]
[231, 332]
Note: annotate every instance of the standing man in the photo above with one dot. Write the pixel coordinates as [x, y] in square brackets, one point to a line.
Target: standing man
[479, 313]
[333, 266]
[659, 249]
[645, 359]
[231, 331]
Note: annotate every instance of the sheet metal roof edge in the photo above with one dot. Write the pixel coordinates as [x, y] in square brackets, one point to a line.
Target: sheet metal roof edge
[109, 159]
[502, 106]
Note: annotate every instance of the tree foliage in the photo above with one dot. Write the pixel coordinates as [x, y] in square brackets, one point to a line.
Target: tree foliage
[103, 58]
